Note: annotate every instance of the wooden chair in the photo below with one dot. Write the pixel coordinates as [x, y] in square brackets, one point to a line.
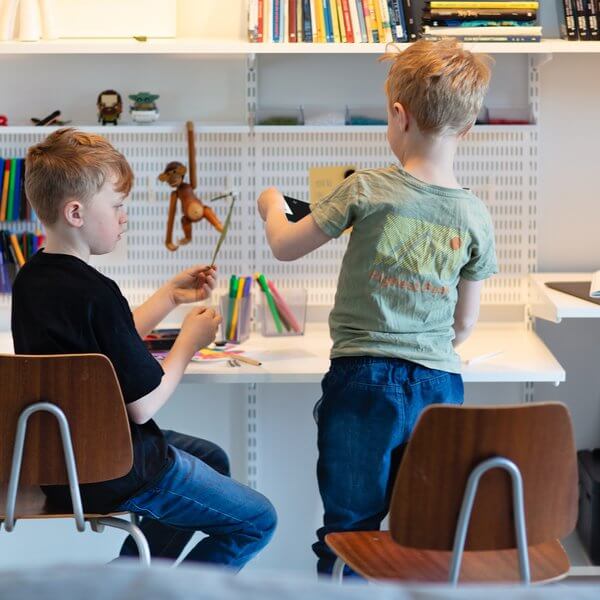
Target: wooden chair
[507, 475]
[63, 422]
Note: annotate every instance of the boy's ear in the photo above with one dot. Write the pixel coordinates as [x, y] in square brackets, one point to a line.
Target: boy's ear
[401, 115]
[73, 213]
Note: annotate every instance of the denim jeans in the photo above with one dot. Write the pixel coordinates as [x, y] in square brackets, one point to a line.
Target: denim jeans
[365, 416]
[197, 494]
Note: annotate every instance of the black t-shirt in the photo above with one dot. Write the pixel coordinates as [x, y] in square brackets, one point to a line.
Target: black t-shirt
[62, 305]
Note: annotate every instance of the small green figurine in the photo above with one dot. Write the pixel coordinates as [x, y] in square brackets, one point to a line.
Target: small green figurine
[143, 109]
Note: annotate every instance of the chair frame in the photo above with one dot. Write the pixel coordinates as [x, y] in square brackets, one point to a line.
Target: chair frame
[464, 518]
[97, 524]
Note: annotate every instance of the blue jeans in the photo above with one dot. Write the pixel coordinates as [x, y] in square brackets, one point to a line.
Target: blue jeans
[197, 494]
[365, 416]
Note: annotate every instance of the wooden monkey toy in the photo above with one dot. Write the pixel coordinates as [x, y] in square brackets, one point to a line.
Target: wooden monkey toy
[192, 208]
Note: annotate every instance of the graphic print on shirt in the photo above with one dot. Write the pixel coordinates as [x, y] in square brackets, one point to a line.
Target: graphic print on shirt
[416, 247]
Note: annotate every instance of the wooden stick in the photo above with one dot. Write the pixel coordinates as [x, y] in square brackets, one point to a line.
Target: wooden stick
[243, 359]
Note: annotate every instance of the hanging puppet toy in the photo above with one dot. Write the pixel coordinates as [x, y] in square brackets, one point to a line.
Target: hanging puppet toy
[192, 208]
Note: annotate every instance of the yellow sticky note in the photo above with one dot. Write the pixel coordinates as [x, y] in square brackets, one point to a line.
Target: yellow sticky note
[323, 180]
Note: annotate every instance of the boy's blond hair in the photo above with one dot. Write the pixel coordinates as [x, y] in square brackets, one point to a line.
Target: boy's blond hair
[71, 164]
[440, 84]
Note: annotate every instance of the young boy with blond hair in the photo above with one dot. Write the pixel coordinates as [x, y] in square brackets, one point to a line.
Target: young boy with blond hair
[77, 183]
[409, 286]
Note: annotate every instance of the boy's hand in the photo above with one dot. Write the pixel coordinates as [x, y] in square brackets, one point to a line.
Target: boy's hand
[270, 199]
[192, 285]
[199, 328]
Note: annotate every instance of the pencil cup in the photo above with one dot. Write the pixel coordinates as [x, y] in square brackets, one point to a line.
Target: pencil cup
[289, 306]
[236, 314]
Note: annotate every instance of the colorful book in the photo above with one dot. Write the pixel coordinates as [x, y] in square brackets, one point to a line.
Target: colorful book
[399, 28]
[260, 21]
[347, 21]
[16, 207]
[362, 26]
[488, 4]
[327, 20]
[373, 20]
[299, 21]
[386, 21]
[5, 185]
[367, 17]
[291, 19]
[335, 18]
[313, 17]
[11, 190]
[307, 30]
[320, 21]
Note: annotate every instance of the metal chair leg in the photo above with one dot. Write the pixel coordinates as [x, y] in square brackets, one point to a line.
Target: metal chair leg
[467, 507]
[337, 574]
[134, 531]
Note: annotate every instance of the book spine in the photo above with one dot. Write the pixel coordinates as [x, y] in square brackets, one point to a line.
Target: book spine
[367, 17]
[16, 209]
[379, 20]
[592, 10]
[340, 20]
[11, 190]
[485, 38]
[488, 4]
[313, 20]
[361, 21]
[320, 21]
[373, 19]
[347, 21]
[356, 28]
[335, 19]
[292, 15]
[5, 185]
[283, 23]
[568, 27]
[328, 21]
[387, 21]
[261, 22]
[399, 9]
[299, 21]
[582, 20]
[409, 17]
[276, 18]
[482, 13]
[307, 32]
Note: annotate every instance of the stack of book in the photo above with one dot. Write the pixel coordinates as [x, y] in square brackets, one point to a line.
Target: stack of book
[331, 21]
[473, 21]
[581, 20]
[13, 202]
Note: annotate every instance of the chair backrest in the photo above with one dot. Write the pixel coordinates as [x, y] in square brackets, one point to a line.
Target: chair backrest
[86, 388]
[449, 441]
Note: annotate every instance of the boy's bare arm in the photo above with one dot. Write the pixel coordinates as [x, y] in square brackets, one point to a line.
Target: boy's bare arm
[191, 285]
[466, 312]
[288, 241]
[197, 330]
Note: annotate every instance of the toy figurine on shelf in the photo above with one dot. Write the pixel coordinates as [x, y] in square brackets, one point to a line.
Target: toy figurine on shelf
[51, 119]
[143, 109]
[109, 106]
[192, 208]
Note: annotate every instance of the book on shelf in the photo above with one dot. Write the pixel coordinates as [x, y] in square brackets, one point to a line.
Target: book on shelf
[330, 21]
[486, 4]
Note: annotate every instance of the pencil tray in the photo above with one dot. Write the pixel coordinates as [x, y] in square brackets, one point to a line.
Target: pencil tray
[236, 314]
[291, 316]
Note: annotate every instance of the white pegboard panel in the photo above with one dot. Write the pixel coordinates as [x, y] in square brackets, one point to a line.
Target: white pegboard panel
[498, 163]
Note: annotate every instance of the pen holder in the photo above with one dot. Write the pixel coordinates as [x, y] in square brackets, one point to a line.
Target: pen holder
[239, 312]
[290, 305]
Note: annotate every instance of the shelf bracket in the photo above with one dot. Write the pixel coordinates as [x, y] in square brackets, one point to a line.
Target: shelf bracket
[539, 60]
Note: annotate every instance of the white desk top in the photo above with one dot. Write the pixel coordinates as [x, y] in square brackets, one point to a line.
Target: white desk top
[553, 305]
[305, 359]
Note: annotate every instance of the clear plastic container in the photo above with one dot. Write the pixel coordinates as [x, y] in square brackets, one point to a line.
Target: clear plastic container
[291, 315]
[240, 312]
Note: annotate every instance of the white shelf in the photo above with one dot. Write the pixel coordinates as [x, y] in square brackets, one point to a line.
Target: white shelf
[554, 306]
[203, 46]
[305, 359]
[174, 127]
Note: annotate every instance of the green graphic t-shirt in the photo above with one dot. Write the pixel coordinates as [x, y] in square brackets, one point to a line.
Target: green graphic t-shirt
[410, 244]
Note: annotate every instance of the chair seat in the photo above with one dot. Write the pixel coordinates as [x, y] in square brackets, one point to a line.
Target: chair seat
[374, 555]
[32, 504]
